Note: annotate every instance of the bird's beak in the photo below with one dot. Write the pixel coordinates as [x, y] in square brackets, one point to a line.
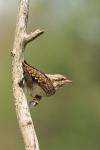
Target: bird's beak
[68, 81]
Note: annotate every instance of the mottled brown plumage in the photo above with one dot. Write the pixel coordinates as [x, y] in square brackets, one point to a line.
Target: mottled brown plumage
[31, 73]
[39, 84]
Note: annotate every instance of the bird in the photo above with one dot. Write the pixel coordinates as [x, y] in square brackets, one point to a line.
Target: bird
[38, 84]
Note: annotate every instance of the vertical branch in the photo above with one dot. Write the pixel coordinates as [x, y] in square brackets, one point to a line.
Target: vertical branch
[21, 106]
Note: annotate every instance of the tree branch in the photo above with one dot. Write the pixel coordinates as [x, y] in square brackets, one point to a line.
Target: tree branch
[21, 106]
[33, 35]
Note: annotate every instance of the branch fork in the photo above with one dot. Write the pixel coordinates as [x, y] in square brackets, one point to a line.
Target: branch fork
[33, 35]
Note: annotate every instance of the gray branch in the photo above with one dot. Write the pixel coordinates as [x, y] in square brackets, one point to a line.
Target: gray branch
[33, 35]
[21, 106]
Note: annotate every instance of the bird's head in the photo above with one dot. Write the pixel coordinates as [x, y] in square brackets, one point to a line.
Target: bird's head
[58, 80]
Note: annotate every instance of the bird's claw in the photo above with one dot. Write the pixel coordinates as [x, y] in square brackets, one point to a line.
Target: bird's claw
[33, 104]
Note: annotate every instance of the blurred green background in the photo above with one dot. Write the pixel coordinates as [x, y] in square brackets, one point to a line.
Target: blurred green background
[69, 120]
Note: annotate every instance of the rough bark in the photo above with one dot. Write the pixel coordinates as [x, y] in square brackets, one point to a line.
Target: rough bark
[21, 106]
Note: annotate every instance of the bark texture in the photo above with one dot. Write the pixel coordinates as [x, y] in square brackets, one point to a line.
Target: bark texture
[21, 106]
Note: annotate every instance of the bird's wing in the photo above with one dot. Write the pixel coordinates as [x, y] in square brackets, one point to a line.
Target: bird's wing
[44, 82]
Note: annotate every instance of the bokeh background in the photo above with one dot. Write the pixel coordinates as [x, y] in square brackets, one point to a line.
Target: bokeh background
[69, 120]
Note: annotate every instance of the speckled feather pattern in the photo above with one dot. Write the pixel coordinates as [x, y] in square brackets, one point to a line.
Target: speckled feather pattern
[33, 75]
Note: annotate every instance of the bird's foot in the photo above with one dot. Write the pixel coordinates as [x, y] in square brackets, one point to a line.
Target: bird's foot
[32, 104]
[35, 101]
